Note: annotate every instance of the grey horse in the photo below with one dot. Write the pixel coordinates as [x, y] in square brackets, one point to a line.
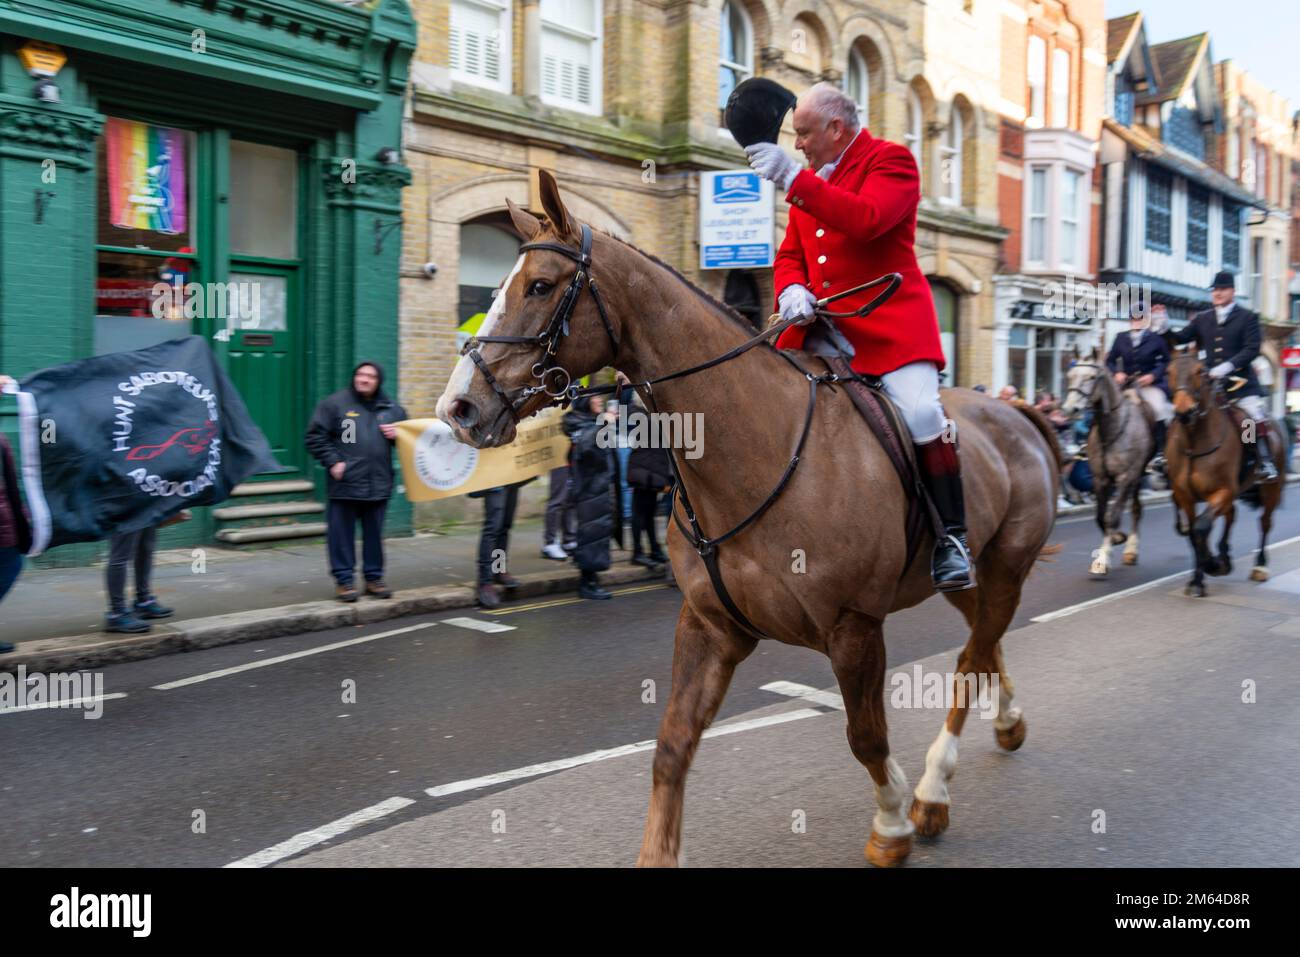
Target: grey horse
[1120, 444]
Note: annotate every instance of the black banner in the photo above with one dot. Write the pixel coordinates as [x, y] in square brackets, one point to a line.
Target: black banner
[124, 441]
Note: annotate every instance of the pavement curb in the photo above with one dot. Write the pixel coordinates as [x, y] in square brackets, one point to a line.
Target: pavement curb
[96, 649]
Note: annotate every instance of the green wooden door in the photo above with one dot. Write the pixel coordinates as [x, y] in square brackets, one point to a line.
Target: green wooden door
[265, 344]
[263, 354]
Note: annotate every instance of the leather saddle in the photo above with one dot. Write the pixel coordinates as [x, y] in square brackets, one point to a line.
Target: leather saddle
[885, 422]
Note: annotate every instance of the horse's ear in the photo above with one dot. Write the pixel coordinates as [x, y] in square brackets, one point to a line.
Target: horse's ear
[561, 219]
[525, 222]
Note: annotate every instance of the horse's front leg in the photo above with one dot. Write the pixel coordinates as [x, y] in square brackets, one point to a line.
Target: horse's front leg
[1101, 557]
[704, 659]
[1200, 527]
[1222, 565]
[1131, 546]
[857, 653]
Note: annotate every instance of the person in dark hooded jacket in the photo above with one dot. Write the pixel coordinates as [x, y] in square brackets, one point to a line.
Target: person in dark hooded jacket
[352, 434]
[592, 471]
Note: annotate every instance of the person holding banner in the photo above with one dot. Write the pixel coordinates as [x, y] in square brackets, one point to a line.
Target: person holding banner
[351, 434]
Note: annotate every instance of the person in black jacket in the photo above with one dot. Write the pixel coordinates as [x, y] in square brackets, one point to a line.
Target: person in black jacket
[592, 472]
[1229, 334]
[649, 472]
[1138, 359]
[351, 434]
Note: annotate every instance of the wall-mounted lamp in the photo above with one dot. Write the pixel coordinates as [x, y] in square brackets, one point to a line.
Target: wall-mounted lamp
[47, 91]
[43, 61]
[389, 156]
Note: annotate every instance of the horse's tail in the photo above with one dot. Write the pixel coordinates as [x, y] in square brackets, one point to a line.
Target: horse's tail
[1044, 427]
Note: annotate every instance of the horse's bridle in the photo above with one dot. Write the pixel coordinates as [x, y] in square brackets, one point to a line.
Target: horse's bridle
[549, 339]
[1087, 396]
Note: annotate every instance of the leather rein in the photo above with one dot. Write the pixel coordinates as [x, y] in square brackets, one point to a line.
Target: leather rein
[558, 328]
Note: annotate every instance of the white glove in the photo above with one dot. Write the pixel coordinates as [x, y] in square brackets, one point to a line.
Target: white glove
[796, 301]
[771, 162]
[1222, 369]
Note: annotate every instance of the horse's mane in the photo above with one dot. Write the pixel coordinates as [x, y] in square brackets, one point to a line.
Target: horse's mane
[707, 298]
[721, 308]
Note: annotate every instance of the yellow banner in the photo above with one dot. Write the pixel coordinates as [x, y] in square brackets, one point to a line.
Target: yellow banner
[435, 465]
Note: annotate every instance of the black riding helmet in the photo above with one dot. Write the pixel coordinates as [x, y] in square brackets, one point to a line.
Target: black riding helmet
[756, 109]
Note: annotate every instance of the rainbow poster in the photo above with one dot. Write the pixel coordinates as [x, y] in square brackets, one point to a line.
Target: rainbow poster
[146, 176]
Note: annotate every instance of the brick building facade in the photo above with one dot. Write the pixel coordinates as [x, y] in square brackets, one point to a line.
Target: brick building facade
[622, 102]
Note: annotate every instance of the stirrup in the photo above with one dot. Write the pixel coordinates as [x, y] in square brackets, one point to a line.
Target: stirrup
[964, 552]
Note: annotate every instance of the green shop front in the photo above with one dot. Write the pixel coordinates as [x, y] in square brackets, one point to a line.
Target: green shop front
[228, 168]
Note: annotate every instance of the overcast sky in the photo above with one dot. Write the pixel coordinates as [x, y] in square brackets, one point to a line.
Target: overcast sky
[1260, 36]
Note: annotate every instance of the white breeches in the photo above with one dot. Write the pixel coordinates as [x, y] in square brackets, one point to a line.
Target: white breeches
[915, 390]
[1253, 406]
[1158, 401]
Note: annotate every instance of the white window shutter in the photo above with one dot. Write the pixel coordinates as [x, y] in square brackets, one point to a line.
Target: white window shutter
[474, 41]
[566, 68]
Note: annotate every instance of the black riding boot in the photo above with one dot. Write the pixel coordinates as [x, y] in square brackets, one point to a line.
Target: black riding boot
[951, 567]
[1265, 469]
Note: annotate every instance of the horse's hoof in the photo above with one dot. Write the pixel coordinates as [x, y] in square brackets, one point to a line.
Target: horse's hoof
[1130, 558]
[655, 860]
[1259, 574]
[1013, 737]
[1099, 569]
[1194, 591]
[930, 818]
[888, 851]
[1219, 568]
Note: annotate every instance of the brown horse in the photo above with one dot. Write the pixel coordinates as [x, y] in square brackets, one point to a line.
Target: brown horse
[826, 563]
[1204, 455]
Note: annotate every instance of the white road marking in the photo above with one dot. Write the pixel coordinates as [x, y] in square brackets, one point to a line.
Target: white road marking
[70, 703]
[1156, 583]
[280, 659]
[476, 624]
[300, 842]
[591, 757]
[829, 699]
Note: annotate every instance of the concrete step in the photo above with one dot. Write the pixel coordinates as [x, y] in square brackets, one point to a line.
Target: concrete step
[274, 533]
[286, 487]
[238, 513]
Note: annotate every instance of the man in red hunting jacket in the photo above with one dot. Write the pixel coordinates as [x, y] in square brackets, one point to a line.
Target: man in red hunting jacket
[853, 218]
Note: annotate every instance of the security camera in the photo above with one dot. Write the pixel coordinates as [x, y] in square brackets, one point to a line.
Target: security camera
[430, 270]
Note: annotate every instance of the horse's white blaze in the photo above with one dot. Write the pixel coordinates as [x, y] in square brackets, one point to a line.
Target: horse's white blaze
[463, 374]
[1008, 714]
[940, 763]
[892, 820]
